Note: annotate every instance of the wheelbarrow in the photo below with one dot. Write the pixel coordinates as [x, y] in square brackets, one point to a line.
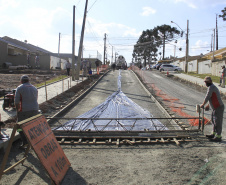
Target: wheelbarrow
[8, 100]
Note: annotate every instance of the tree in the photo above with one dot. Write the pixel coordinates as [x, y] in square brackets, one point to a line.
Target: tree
[167, 34]
[223, 14]
[150, 40]
[146, 47]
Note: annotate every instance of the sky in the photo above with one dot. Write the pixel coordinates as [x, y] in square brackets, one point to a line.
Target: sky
[40, 22]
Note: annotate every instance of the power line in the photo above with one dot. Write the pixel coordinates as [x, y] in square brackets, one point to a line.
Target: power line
[91, 6]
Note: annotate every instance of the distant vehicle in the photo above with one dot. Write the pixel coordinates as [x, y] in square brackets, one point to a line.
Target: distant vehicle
[154, 66]
[121, 62]
[169, 67]
[158, 66]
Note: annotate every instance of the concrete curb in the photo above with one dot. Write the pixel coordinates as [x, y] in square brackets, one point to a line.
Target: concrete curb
[175, 125]
[73, 103]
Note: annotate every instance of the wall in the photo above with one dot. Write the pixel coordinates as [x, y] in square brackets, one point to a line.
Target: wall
[176, 63]
[204, 67]
[182, 65]
[192, 66]
[216, 67]
[3, 52]
[17, 60]
[44, 61]
[63, 63]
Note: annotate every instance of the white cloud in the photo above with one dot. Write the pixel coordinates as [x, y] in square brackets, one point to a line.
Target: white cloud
[5, 4]
[147, 11]
[199, 47]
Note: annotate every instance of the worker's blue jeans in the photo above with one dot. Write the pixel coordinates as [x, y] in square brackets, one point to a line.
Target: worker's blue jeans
[217, 119]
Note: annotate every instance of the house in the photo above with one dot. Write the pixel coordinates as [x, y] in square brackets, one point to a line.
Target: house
[216, 59]
[15, 52]
[12, 53]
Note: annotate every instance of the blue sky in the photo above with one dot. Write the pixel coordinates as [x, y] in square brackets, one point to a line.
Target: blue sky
[39, 22]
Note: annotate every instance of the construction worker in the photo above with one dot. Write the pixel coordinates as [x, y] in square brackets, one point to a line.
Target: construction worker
[26, 104]
[217, 106]
[223, 76]
[68, 67]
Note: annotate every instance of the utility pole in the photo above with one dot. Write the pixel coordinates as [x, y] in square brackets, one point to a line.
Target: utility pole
[213, 43]
[174, 52]
[73, 46]
[216, 34]
[112, 56]
[81, 42]
[163, 55]
[59, 46]
[104, 47]
[187, 48]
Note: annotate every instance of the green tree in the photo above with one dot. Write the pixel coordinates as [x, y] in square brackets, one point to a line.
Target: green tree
[223, 16]
[166, 34]
[146, 47]
[151, 40]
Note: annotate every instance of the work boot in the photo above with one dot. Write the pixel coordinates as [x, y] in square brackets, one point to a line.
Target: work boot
[210, 136]
[215, 139]
[23, 146]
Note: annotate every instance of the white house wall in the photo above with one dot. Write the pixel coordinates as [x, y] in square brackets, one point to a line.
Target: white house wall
[192, 66]
[55, 62]
[63, 63]
[176, 63]
[204, 67]
[217, 68]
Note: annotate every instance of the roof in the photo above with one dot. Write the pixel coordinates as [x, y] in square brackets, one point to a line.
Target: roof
[190, 58]
[167, 61]
[13, 44]
[30, 47]
[219, 54]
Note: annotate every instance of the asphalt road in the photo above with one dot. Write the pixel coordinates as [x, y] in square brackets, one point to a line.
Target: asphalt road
[177, 96]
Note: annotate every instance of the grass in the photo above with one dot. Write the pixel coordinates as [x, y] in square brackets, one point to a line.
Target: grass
[202, 76]
[51, 81]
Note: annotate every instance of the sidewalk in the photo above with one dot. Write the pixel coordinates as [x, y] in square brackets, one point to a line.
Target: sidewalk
[52, 90]
[198, 81]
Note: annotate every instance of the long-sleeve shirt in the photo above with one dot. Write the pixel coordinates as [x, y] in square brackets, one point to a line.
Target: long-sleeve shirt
[68, 65]
[27, 95]
[213, 96]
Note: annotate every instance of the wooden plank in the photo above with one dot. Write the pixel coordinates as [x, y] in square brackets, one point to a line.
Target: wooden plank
[117, 143]
[176, 141]
[94, 140]
[62, 140]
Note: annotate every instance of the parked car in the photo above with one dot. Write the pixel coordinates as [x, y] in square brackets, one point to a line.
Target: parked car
[169, 67]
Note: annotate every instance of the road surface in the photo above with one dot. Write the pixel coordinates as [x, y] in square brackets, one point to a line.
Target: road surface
[198, 162]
